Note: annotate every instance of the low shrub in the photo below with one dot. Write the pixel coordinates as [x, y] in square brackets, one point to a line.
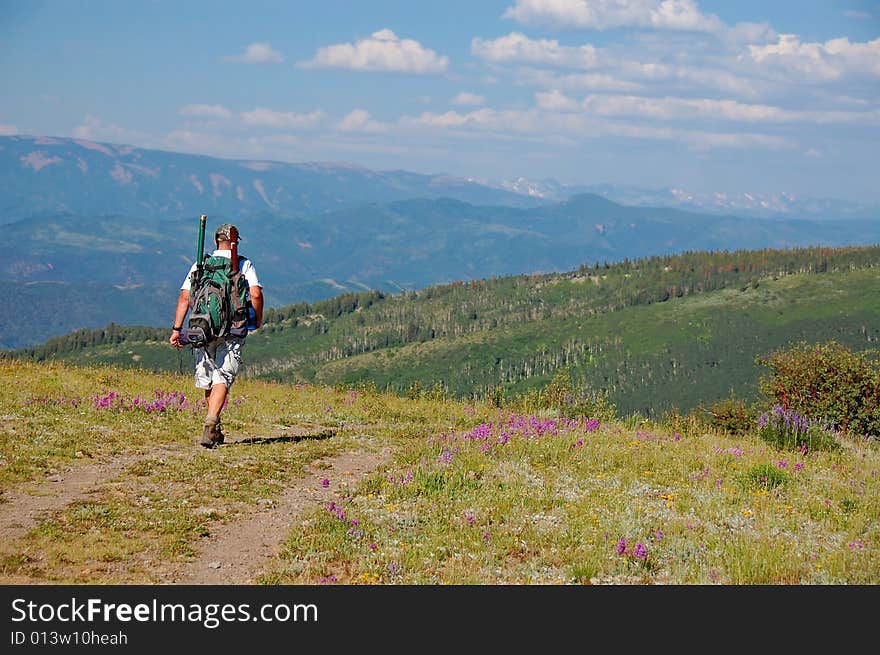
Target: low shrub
[826, 381]
[732, 415]
[566, 399]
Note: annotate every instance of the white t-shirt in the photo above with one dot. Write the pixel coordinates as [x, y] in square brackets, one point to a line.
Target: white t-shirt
[247, 269]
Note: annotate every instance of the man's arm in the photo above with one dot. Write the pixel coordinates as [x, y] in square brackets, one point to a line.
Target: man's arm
[257, 303]
[179, 315]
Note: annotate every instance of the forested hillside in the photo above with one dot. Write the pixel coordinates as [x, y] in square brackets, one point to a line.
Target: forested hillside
[653, 334]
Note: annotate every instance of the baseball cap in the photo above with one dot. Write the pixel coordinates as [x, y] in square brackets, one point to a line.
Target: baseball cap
[224, 233]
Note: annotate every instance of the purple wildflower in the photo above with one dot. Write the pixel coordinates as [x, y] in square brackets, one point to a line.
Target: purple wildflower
[621, 546]
[641, 551]
[445, 457]
[336, 510]
[325, 483]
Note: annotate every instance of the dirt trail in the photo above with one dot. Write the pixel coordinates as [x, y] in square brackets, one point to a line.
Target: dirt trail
[21, 509]
[236, 553]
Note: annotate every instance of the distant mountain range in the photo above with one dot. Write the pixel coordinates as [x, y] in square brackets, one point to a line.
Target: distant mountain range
[50, 175]
[46, 174]
[101, 232]
[762, 205]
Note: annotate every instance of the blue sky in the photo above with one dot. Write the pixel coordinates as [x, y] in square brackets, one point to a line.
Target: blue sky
[704, 96]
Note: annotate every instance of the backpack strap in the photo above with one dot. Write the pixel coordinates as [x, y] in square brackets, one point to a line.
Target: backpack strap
[239, 307]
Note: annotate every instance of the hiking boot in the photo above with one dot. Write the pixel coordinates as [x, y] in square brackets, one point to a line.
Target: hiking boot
[218, 435]
[210, 432]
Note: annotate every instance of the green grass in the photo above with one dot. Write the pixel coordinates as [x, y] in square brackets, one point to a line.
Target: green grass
[694, 506]
[539, 511]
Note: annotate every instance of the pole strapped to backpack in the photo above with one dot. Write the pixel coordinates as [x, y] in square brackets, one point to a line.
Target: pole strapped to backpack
[218, 300]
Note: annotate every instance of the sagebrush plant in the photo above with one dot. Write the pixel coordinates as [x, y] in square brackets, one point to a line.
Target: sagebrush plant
[827, 381]
[694, 423]
[565, 398]
[732, 415]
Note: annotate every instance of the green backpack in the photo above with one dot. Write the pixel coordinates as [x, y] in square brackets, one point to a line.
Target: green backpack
[218, 301]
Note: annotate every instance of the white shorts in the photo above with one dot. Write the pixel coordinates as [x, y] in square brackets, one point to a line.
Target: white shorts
[220, 366]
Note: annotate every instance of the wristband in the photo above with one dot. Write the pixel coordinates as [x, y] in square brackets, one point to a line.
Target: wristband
[177, 329]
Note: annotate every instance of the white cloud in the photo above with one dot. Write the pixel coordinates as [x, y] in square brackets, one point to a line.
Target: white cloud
[360, 120]
[201, 143]
[857, 15]
[467, 98]
[722, 80]
[580, 126]
[555, 100]
[225, 145]
[738, 63]
[206, 111]
[576, 81]
[609, 14]
[616, 73]
[827, 61]
[682, 109]
[257, 53]
[94, 129]
[262, 117]
[682, 15]
[382, 51]
[690, 109]
[8, 130]
[518, 48]
[449, 119]
[745, 33]
[736, 140]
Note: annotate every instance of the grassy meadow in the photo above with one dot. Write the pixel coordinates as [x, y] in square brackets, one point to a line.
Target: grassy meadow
[474, 493]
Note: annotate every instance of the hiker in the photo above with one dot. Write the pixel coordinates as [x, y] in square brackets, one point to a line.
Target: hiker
[217, 363]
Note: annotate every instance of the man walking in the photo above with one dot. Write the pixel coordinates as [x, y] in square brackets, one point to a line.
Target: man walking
[217, 363]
